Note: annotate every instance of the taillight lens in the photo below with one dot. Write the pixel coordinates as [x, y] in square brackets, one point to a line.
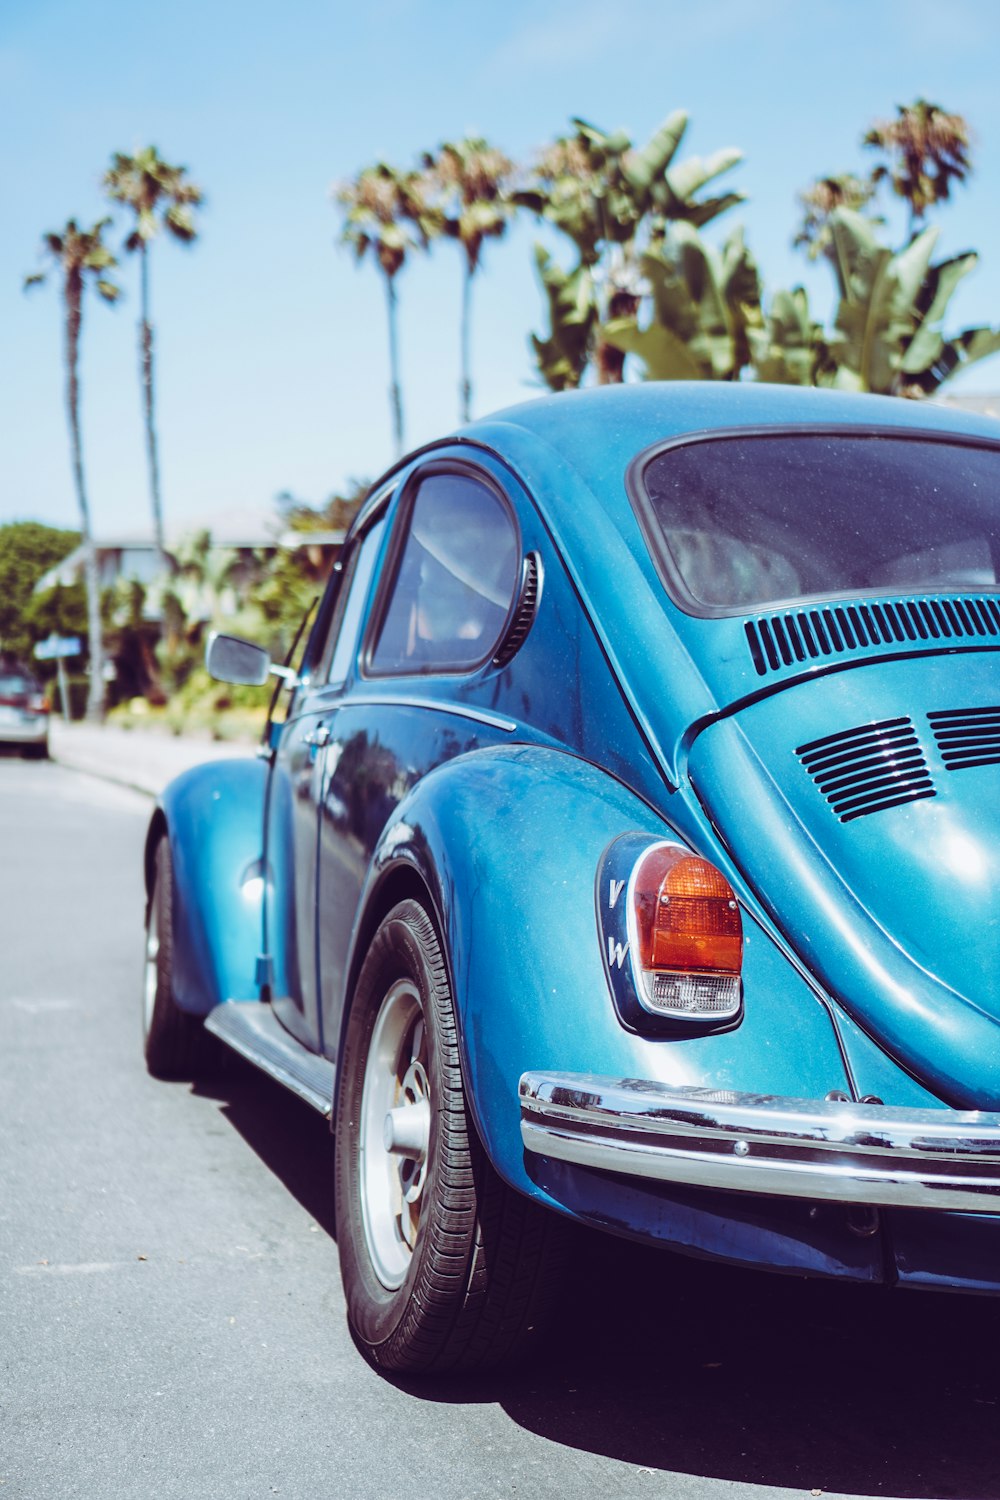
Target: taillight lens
[38, 705]
[687, 936]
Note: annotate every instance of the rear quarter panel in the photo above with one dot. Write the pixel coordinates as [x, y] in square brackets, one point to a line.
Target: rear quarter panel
[508, 842]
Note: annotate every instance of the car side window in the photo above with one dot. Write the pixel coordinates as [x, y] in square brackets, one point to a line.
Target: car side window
[453, 582]
[343, 638]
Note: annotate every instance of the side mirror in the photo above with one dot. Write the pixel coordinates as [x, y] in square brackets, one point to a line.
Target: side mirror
[229, 659]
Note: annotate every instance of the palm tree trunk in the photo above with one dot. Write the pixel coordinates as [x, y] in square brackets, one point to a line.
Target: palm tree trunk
[146, 377]
[465, 389]
[74, 319]
[395, 391]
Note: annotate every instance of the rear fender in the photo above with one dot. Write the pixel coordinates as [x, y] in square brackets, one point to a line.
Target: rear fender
[506, 843]
[213, 816]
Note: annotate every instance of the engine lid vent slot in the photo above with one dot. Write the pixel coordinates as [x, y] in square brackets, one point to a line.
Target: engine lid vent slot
[802, 636]
[967, 736]
[869, 768]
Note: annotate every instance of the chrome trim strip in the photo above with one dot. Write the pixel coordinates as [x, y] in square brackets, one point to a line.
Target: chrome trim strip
[437, 705]
[757, 1143]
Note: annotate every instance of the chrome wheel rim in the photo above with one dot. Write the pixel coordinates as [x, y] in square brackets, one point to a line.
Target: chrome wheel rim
[394, 1134]
[150, 973]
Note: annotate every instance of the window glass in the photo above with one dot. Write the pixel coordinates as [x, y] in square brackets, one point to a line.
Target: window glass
[454, 582]
[343, 640]
[750, 521]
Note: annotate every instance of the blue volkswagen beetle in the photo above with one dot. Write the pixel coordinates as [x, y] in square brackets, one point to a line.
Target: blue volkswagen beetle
[627, 850]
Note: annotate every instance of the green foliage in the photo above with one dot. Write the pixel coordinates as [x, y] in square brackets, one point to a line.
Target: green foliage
[76, 252]
[788, 348]
[703, 306]
[27, 550]
[157, 193]
[820, 198]
[386, 211]
[614, 201]
[61, 610]
[563, 356]
[888, 334]
[925, 151]
[335, 514]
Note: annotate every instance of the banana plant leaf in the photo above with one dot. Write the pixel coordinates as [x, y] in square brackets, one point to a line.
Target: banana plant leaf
[690, 334]
[562, 357]
[641, 169]
[783, 350]
[927, 344]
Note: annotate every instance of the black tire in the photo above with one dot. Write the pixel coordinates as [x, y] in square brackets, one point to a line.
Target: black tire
[37, 752]
[176, 1044]
[483, 1258]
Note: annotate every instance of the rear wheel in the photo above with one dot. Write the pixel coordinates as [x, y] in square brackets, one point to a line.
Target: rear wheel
[176, 1044]
[443, 1265]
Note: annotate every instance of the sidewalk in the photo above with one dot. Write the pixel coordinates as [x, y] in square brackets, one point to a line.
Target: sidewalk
[138, 758]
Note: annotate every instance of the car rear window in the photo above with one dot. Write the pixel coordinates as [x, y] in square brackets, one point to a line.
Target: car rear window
[15, 685]
[737, 523]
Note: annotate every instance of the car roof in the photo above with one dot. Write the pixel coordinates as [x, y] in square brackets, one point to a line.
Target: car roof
[601, 430]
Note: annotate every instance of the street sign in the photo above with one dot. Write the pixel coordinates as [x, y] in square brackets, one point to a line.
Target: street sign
[56, 646]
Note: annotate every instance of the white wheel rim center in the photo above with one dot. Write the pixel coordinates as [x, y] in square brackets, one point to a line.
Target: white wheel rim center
[150, 974]
[394, 1134]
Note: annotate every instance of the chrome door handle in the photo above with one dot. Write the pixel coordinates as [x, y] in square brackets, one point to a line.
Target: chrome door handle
[317, 737]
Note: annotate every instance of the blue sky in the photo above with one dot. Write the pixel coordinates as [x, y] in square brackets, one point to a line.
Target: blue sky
[271, 342]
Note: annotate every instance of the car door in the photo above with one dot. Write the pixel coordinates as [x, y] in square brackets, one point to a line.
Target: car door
[296, 791]
[448, 589]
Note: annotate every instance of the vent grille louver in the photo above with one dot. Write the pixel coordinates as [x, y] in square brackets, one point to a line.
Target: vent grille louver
[967, 736]
[807, 635]
[524, 614]
[869, 768]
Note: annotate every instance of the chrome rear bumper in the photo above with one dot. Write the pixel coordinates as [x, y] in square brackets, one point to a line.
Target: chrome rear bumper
[753, 1143]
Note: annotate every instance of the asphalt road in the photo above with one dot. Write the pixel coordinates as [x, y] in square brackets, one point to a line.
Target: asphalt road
[171, 1320]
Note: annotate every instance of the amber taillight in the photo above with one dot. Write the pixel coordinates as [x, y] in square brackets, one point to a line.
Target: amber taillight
[687, 935]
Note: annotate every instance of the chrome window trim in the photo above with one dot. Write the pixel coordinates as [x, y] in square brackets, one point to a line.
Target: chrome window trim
[816, 1149]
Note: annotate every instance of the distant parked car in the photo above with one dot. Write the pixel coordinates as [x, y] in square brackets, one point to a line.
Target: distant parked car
[24, 709]
[628, 850]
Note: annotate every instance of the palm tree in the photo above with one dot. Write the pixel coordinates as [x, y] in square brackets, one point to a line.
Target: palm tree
[160, 196]
[79, 253]
[928, 151]
[379, 205]
[471, 179]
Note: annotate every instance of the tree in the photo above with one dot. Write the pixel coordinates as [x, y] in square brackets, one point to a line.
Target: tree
[27, 551]
[927, 151]
[704, 307]
[386, 211]
[471, 181]
[819, 199]
[160, 197]
[614, 201]
[79, 254]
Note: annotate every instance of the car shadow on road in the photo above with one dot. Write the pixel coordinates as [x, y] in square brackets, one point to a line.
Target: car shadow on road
[680, 1366]
[291, 1139]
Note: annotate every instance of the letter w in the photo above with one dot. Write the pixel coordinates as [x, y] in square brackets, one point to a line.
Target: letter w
[616, 953]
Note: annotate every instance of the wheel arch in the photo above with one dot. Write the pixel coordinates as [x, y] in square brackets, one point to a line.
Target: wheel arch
[213, 816]
[156, 831]
[399, 880]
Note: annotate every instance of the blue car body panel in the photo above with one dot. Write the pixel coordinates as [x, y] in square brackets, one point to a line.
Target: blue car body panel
[500, 790]
[213, 816]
